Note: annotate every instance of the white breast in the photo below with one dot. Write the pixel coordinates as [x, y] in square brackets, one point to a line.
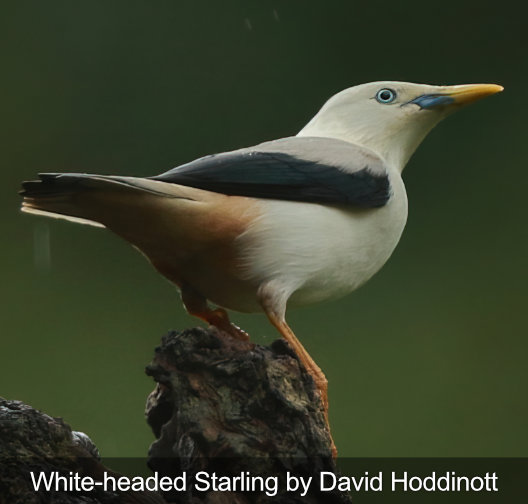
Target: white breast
[318, 252]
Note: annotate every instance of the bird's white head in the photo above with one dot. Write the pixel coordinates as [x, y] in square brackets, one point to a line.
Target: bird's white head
[391, 118]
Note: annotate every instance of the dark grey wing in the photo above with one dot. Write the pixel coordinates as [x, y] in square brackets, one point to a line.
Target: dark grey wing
[315, 170]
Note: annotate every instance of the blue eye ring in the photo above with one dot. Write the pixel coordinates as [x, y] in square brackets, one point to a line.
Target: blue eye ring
[385, 96]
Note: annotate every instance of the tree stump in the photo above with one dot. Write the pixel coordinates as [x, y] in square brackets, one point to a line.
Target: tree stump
[227, 406]
[223, 406]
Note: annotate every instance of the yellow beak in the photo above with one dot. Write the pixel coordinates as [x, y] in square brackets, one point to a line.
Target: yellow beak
[468, 93]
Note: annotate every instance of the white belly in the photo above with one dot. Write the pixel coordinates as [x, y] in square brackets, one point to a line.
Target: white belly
[318, 252]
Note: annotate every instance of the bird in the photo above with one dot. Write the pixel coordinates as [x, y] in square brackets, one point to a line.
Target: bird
[287, 222]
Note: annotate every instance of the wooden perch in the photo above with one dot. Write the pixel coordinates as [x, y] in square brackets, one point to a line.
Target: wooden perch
[230, 406]
[220, 405]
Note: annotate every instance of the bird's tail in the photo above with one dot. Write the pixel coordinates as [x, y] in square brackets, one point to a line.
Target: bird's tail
[78, 196]
[55, 195]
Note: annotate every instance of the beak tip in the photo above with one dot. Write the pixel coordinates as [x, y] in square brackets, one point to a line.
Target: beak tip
[495, 88]
[470, 93]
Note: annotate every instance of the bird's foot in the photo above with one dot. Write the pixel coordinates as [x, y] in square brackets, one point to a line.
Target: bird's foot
[333, 447]
[232, 331]
[322, 386]
[196, 305]
[240, 333]
[218, 318]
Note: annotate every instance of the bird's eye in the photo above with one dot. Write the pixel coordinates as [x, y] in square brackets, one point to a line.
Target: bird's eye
[385, 95]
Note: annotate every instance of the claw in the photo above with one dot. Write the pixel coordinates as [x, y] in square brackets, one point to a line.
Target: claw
[232, 331]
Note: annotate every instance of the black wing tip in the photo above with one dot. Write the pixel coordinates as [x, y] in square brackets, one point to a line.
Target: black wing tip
[30, 187]
[41, 187]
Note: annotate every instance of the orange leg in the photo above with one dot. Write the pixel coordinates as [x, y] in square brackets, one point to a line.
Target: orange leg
[196, 305]
[315, 371]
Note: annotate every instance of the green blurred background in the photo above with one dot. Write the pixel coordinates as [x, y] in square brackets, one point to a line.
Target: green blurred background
[429, 358]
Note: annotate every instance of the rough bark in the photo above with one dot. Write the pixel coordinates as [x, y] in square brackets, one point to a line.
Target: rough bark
[220, 405]
[33, 441]
[228, 406]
